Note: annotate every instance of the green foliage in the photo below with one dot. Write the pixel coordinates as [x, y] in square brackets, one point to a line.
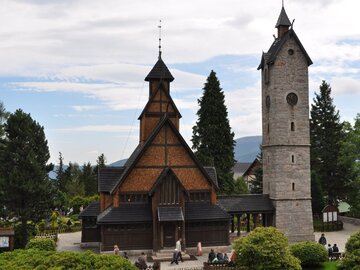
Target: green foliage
[19, 237]
[349, 161]
[78, 201]
[309, 253]
[265, 248]
[24, 171]
[44, 260]
[240, 186]
[326, 136]
[73, 182]
[89, 178]
[213, 140]
[41, 244]
[317, 195]
[353, 243]
[257, 184]
[351, 261]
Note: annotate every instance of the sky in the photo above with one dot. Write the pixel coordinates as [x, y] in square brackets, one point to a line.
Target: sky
[78, 66]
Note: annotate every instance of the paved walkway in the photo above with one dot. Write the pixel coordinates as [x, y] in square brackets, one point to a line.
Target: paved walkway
[71, 242]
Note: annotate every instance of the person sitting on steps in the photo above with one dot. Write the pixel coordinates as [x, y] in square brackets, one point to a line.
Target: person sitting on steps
[212, 256]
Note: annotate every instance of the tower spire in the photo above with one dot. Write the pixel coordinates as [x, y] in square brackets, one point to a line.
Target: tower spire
[159, 26]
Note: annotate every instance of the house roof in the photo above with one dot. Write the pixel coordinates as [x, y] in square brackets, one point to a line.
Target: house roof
[247, 203]
[136, 155]
[108, 176]
[211, 171]
[204, 211]
[126, 213]
[255, 163]
[7, 231]
[241, 167]
[276, 47]
[92, 210]
[170, 213]
[283, 19]
[153, 96]
[159, 72]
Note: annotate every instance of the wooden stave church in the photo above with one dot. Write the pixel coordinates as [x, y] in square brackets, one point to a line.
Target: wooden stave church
[162, 193]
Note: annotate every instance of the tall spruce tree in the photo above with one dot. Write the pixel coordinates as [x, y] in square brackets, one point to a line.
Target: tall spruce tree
[326, 137]
[28, 192]
[213, 140]
[89, 178]
[256, 186]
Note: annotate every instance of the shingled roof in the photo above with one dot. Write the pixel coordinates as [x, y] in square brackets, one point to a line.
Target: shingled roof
[92, 210]
[108, 177]
[211, 171]
[283, 19]
[276, 47]
[170, 213]
[159, 72]
[248, 203]
[204, 211]
[136, 155]
[126, 213]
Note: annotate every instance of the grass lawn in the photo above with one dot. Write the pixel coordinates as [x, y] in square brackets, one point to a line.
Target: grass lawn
[325, 266]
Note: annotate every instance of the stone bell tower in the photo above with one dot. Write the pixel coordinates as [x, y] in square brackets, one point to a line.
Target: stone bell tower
[285, 131]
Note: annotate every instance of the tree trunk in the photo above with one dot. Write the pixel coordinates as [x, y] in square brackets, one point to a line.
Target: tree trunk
[24, 233]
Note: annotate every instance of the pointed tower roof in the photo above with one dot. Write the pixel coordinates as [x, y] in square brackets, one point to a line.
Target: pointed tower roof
[159, 72]
[283, 19]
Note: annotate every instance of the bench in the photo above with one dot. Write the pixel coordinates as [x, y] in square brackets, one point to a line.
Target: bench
[335, 256]
[219, 266]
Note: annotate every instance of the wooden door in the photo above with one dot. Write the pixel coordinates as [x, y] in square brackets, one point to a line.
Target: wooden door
[169, 235]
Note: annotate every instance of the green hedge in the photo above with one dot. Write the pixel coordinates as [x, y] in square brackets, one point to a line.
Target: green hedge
[265, 248]
[41, 244]
[309, 253]
[67, 260]
[351, 261]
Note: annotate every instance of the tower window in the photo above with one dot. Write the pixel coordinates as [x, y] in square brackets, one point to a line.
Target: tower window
[292, 158]
[293, 186]
[292, 126]
[266, 75]
[290, 51]
[268, 128]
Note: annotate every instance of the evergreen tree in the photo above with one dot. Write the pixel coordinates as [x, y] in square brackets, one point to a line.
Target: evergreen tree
[326, 137]
[74, 184]
[89, 178]
[213, 140]
[240, 186]
[28, 192]
[317, 195]
[3, 116]
[256, 186]
[100, 163]
[60, 179]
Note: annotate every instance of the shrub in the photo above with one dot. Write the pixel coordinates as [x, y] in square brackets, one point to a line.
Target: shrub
[351, 261]
[265, 248]
[353, 243]
[309, 253]
[41, 244]
[67, 260]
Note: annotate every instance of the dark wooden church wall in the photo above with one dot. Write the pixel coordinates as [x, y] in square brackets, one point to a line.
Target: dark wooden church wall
[208, 233]
[90, 231]
[127, 237]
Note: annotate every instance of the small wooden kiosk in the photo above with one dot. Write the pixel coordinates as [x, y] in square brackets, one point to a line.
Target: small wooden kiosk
[7, 239]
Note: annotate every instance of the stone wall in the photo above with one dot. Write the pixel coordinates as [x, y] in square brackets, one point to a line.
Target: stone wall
[354, 221]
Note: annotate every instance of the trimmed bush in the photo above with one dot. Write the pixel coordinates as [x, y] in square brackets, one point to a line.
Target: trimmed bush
[351, 261]
[67, 260]
[309, 253]
[265, 248]
[41, 244]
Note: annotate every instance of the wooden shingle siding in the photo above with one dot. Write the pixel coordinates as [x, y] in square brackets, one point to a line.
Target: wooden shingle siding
[153, 156]
[192, 178]
[140, 179]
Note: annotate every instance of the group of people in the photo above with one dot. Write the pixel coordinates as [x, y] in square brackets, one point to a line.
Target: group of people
[218, 258]
[177, 253]
[331, 249]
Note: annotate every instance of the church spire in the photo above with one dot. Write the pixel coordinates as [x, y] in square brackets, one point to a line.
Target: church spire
[283, 23]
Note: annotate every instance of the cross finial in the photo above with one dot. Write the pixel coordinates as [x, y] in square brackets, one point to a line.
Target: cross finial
[159, 26]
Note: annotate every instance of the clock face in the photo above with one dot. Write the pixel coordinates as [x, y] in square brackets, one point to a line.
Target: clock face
[292, 99]
[267, 102]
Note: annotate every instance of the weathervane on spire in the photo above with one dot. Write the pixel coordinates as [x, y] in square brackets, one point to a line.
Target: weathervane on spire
[159, 26]
[282, 3]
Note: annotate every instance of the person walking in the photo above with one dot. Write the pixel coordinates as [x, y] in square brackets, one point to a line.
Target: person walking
[178, 247]
[322, 240]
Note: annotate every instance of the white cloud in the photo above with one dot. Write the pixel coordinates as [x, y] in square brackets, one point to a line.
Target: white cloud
[98, 128]
[345, 86]
[81, 108]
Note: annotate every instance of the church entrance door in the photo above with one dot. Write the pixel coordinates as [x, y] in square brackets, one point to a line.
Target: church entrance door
[169, 235]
